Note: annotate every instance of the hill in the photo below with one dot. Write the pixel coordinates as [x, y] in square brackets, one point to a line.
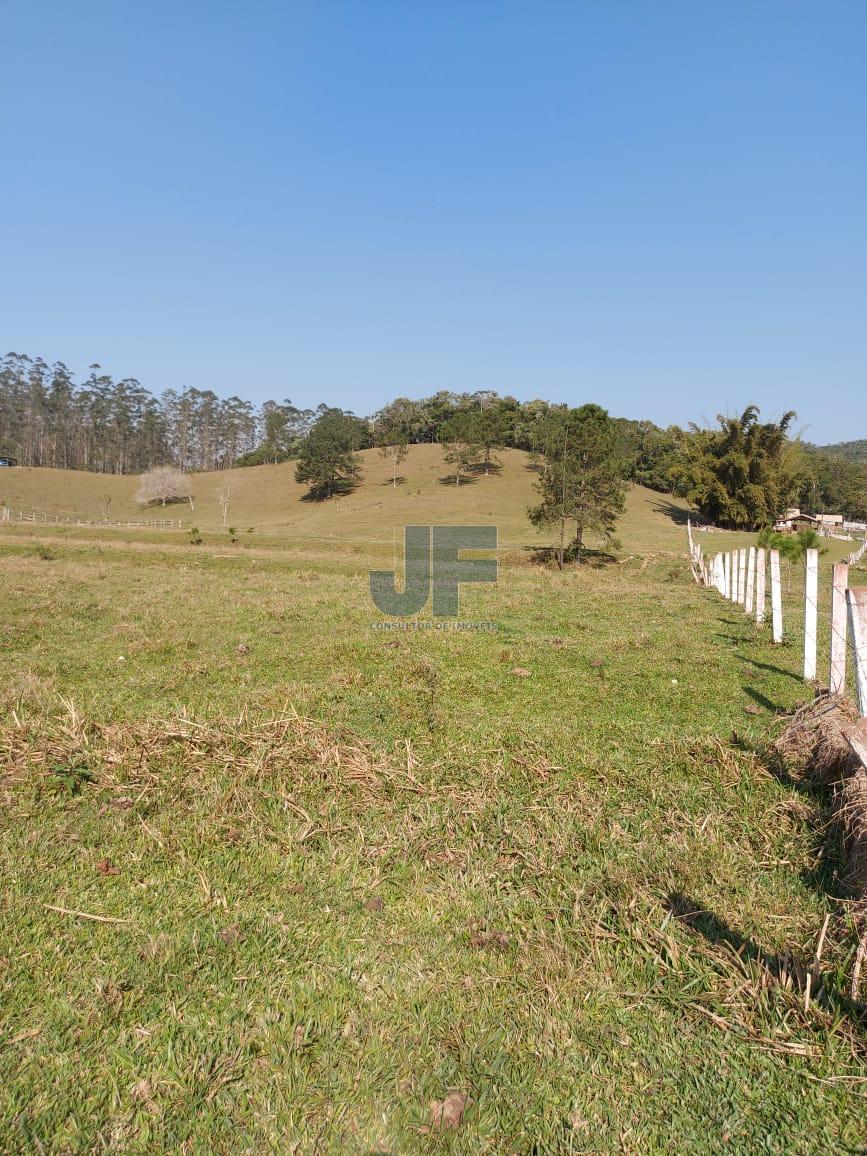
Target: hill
[270, 501]
[855, 451]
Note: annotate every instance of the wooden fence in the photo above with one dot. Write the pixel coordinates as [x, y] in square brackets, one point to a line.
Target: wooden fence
[8, 515]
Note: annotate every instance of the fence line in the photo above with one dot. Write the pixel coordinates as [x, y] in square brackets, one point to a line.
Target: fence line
[856, 556]
[741, 576]
[64, 520]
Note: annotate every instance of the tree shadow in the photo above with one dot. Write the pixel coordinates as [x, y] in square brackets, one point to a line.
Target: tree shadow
[596, 559]
[547, 556]
[677, 514]
[400, 480]
[467, 479]
[478, 469]
[339, 489]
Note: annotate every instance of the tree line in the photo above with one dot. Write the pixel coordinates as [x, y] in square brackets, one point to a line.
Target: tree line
[119, 427]
[741, 474]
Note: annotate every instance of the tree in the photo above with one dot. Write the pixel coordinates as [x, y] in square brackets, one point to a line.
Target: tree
[224, 494]
[327, 460]
[832, 485]
[461, 441]
[163, 484]
[581, 479]
[282, 428]
[492, 429]
[391, 433]
[649, 453]
[792, 547]
[742, 475]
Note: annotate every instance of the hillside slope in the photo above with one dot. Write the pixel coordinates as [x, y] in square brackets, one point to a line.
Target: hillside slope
[268, 499]
[854, 451]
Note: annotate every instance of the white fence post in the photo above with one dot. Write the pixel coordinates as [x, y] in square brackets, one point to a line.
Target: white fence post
[728, 572]
[856, 597]
[735, 575]
[760, 586]
[837, 684]
[776, 597]
[751, 580]
[811, 613]
[742, 577]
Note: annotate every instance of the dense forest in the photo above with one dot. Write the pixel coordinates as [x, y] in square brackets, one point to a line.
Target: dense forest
[742, 474]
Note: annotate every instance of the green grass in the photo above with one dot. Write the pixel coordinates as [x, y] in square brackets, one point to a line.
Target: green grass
[529, 838]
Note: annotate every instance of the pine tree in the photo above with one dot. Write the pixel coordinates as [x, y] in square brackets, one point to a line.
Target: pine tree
[581, 481]
[327, 461]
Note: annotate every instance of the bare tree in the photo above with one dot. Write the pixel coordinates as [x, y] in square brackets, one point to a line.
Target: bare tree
[163, 485]
[225, 495]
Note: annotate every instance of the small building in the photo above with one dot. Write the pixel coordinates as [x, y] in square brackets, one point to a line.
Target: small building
[796, 520]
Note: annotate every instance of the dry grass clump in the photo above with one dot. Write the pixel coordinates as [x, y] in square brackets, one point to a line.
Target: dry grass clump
[253, 749]
[815, 743]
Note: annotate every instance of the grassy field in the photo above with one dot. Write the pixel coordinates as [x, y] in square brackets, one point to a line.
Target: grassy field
[342, 873]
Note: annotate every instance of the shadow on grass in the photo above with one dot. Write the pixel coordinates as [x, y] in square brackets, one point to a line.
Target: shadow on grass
[825, 869]
[467, 479]
[763, 701]
[400, 480]
[592, 559]
[677, 514]
[338, 489]
[493, 469]
[769, 666]
[785, 968]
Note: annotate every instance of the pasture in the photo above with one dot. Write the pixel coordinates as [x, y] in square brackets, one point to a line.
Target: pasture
[275, 880]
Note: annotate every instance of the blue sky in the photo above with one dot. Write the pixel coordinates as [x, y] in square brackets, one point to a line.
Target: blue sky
[659, 206]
